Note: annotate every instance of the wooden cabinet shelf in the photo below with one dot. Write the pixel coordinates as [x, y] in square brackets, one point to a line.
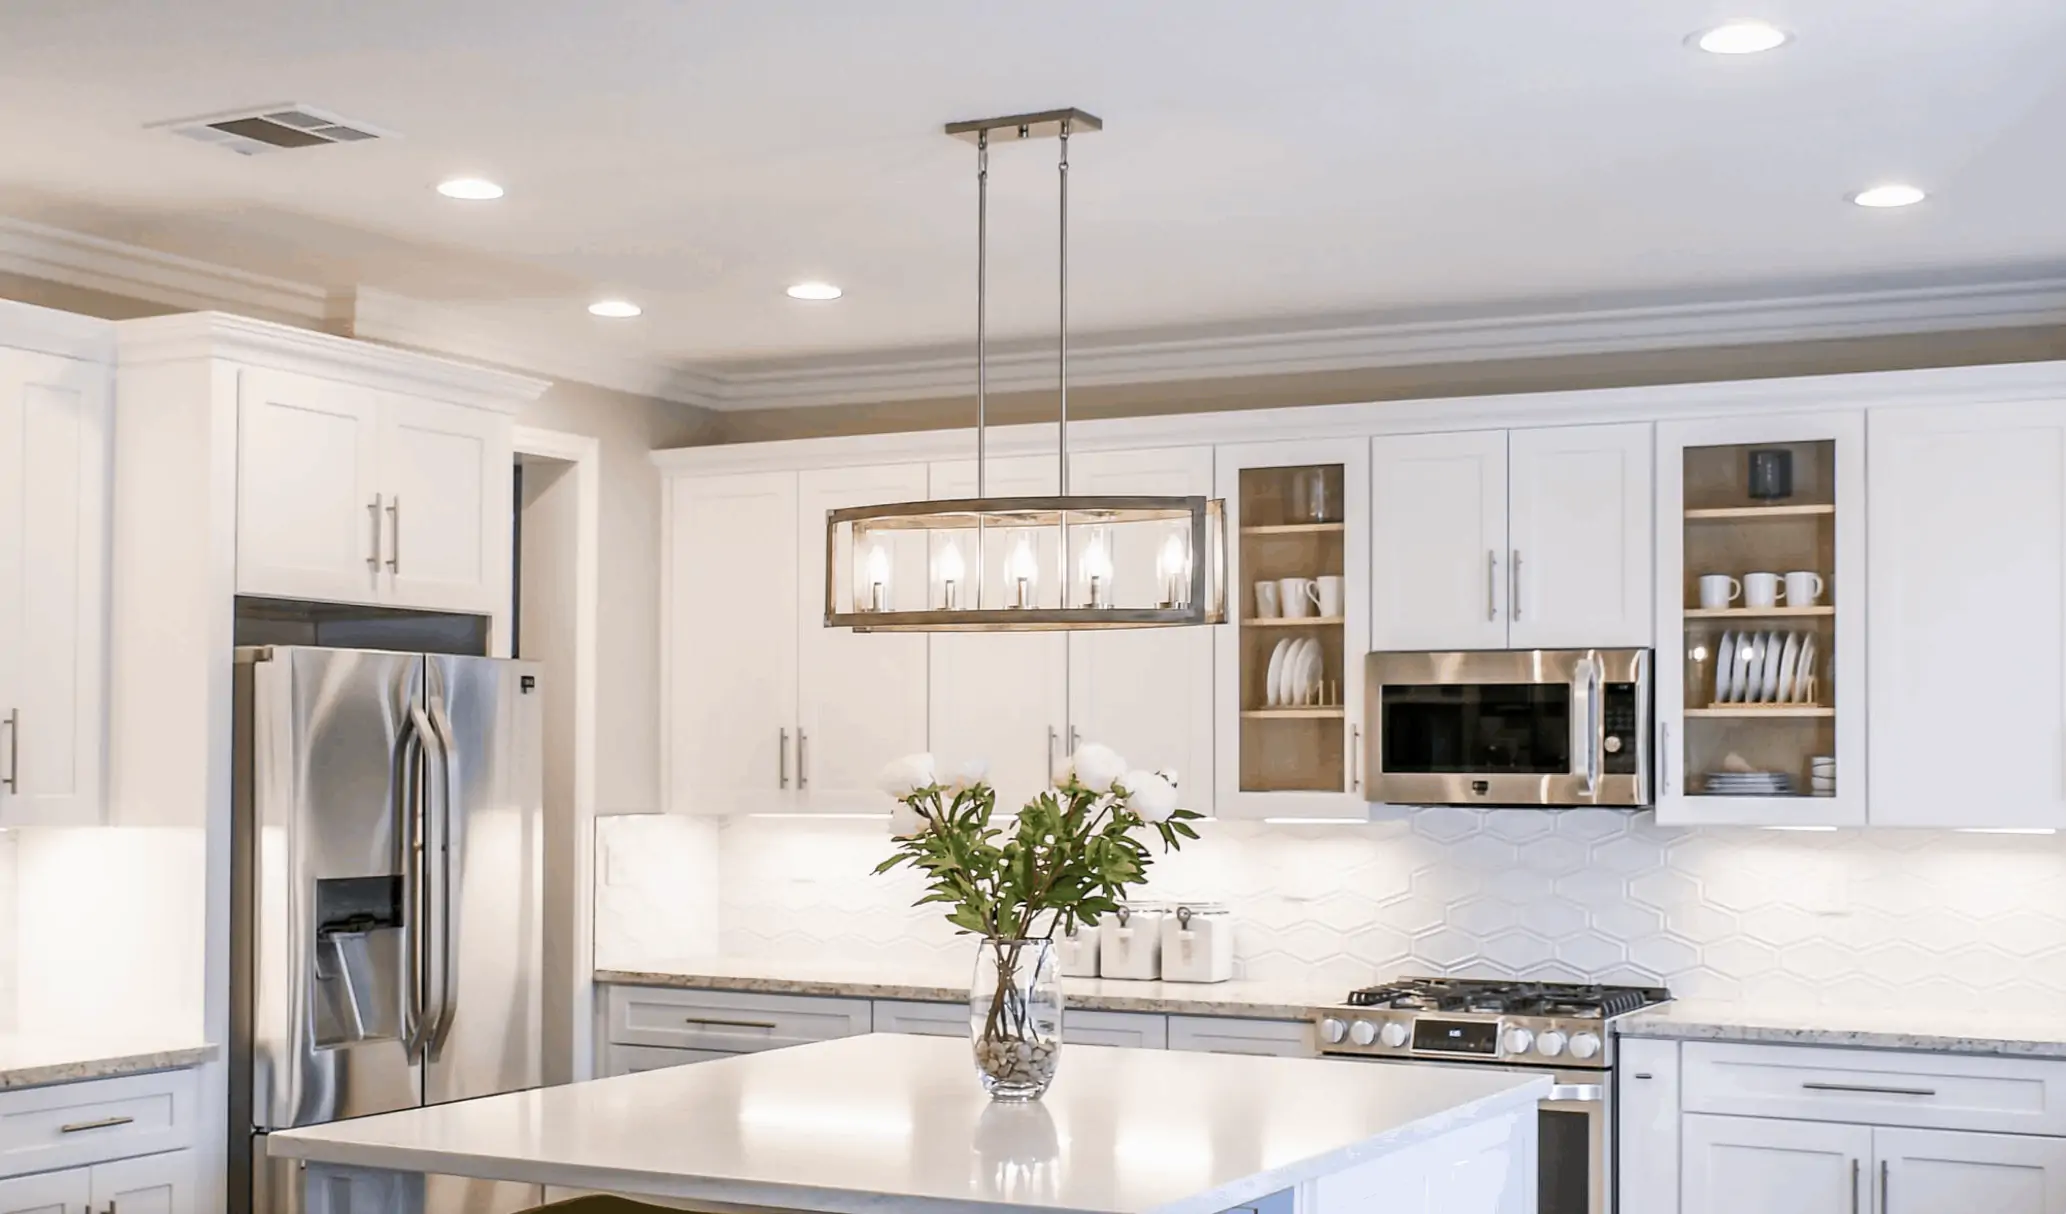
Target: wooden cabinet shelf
[1311, 621]
[1741, 513]
[1750, 711]
[1755, 613]
[1294, 714]
[1296, 529]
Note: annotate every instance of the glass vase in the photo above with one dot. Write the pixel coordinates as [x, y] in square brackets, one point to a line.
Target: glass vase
[1015, 1017]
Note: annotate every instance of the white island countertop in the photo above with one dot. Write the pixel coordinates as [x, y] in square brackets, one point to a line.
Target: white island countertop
[879, 1123]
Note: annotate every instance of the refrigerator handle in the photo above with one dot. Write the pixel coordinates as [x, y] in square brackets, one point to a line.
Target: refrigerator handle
[416, 905]
[441, 731]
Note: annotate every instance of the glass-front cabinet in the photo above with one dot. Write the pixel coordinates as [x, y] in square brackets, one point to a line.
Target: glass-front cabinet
[1289, 662]
[1760, 664]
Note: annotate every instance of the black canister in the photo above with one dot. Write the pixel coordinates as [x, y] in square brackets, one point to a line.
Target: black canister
[1771, 474]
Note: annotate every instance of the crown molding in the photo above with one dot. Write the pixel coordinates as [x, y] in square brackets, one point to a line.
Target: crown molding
[1310, 345]
[211, 335]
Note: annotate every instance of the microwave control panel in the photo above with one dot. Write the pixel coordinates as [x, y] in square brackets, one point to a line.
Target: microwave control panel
[1620, 718]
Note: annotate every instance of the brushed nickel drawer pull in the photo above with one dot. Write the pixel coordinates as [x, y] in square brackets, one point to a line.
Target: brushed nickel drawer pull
[1868, 1089]
[731, 1024]
[105, 1123]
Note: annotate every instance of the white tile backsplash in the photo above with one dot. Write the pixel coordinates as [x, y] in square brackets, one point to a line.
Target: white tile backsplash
[1838, 918]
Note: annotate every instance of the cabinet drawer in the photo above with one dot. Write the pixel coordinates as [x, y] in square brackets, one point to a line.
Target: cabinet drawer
[1225, 1035]
[732, 1022]
[67, 1125]
[921, 1019]
[634, 1059]
[1135, 1030]
[1876, 1087]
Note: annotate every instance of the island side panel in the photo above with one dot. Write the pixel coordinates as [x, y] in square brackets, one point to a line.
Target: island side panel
[1487, 1166]
[327, 1189]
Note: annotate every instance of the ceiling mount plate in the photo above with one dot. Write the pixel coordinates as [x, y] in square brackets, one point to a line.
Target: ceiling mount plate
[1047, 124]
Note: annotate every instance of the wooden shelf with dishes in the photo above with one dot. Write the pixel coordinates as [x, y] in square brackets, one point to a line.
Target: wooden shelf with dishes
[1293, 725]
[1760, 617]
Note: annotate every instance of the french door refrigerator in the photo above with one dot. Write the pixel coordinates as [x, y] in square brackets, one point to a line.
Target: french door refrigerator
[386, 896]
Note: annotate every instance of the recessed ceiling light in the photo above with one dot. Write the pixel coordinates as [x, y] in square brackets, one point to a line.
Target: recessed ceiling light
[470, 189]
[614, 309]
[814, 290]
[1888, 196]
[1741, 38]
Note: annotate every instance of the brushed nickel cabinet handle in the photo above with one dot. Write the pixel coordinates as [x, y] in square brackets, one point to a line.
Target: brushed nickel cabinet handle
[1513, 588]
[1050, 754]
[803, 758]
[373, 516]
[1854, 1186]
[1491, 578]
[1884, 1206]
[105, 1123]
[782, 759]
[394, 523]
[1868, 1089]
[13, 780]
[1355, 758]
[730, 1024]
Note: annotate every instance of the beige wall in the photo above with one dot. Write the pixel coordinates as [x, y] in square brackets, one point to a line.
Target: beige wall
[1412, 383]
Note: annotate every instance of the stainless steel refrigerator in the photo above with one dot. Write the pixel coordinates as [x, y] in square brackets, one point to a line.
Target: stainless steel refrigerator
[386, 895]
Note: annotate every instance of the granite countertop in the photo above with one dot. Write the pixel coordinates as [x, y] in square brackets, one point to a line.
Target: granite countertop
[1936, 1029]
[887, 1122]
[30, 1060]
[1254, 1000]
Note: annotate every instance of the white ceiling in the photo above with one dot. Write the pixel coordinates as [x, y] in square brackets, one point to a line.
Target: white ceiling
[1261, 163]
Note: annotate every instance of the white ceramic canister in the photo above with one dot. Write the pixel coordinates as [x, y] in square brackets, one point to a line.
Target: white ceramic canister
[1130, 941]
[1197, 943]
[1077, 952]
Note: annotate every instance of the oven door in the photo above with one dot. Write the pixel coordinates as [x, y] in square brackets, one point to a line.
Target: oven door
[1509, 727]
[1575, 1152]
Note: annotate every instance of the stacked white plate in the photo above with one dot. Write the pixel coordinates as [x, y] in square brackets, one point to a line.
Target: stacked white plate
[1765, 668]
[1749, 784]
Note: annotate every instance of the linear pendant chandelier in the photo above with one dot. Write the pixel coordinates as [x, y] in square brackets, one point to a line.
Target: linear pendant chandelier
[1025, 564]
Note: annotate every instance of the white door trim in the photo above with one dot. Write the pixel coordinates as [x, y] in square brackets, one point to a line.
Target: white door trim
[585, 453]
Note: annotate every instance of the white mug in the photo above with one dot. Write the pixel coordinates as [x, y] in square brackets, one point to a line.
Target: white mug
[1718, 590]
[1760, 589]
[1298, 595]
[1266, 606]
[1803, 588]
[1330, 594]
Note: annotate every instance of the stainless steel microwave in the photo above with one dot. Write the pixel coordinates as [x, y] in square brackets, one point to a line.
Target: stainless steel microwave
[1534, 727]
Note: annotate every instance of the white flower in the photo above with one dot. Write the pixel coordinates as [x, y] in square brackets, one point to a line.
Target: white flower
[906, 821]
[906, 776]
[968, 775]
[1097, 767]
[1169, 774]
[1149, 795]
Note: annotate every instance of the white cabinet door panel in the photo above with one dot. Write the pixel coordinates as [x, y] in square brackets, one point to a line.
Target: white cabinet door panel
[1967, 509]
[729, 643]
[998, 696]
[1734, 1165]
[54, 461]
[1438, 557]
[447, 474]
[1943, 1172]
[861, 697]
[50, 1193]
[1579, 537]
[1146, 692]
[1646, 1131]
[151, 1184]
[308, 455]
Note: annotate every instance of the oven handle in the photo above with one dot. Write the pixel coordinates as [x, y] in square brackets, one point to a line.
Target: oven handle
[1577, 1093]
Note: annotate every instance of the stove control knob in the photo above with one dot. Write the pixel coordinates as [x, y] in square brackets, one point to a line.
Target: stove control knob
[1518, 1041]
[1332, 1030]
[1362, 1032]
[1584, 1045]
[1550, 1044]
[1393, 1034]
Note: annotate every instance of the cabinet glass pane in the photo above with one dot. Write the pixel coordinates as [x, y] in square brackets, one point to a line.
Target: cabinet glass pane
[1293, 635]
[1760, 619]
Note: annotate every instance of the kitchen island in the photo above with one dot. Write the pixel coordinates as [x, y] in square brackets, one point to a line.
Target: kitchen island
[878, 1123]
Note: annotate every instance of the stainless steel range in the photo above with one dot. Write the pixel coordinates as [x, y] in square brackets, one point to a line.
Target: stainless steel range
[1562, 1029]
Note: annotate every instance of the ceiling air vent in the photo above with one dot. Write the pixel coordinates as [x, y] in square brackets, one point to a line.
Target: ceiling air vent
[273, 128]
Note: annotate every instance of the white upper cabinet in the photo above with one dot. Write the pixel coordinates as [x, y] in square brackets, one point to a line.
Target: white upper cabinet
[1000, 696]
[310, 520]
[1773, 686]
[449, 505]
[1438, 557]
[861, 697]
[1521, 539]
[350, 494]
[1968, 602]
[1579, 538]
[729, 640]
[1146, 692]
[54, 462]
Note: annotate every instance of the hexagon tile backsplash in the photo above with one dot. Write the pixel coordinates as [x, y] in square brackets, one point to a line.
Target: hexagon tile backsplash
[1794, 918]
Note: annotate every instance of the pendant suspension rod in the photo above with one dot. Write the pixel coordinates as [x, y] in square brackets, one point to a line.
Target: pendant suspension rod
[982, 310]
[1064, 174]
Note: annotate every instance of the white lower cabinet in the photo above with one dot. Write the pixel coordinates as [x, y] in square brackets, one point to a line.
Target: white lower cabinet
[1134, 1030]
[1734, 1165]
[1228, 1035]
[1943, 1172]
[148, 1184]
[1646, 1127]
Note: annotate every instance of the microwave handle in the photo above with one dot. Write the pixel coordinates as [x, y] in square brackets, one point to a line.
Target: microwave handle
[1595, 727]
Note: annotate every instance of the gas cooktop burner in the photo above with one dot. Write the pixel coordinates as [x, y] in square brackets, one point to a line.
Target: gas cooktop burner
[1509, 997]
